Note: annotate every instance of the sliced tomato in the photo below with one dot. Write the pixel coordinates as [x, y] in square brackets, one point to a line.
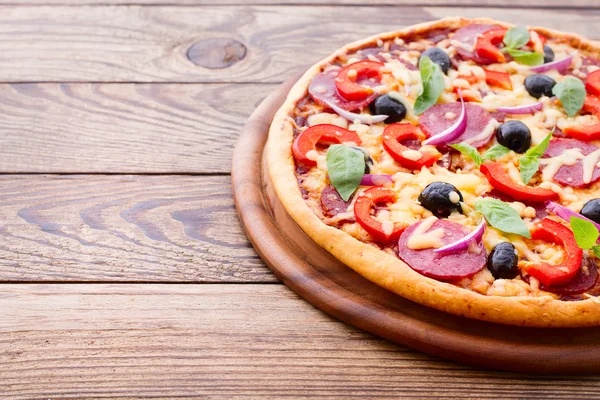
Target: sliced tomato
[348, 80]
[591, 105]
[499, 79]
[552, 275]
[393, 134]
[486, 45]
[363, 207]
[592, 83]
[583, 132]
[324, 134]
[499, 179]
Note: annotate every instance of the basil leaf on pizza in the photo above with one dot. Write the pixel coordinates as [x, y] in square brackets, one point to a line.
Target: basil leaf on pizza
[494, 152]
[529, 162]
[469, 151]
[571, 93]
[346, 167]
[526, 57]
[502, 216]
[516, 37]
[586, 234]
[433, 85]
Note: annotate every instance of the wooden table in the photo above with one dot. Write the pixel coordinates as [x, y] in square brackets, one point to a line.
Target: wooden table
[124, 270]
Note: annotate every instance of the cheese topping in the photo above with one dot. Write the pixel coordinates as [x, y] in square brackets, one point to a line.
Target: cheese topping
[454, 197]
[589, 164]
[421, 239]
[568, 157]
[412, 154]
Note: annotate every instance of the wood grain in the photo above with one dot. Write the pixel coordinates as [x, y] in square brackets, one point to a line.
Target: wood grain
[222, 341]
[123, 228]
[123, 128]
[150, 44]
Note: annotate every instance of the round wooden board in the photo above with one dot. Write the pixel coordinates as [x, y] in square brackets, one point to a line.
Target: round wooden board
[336, 289]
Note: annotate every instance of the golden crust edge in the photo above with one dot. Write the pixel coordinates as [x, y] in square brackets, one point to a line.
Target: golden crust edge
[391, 272]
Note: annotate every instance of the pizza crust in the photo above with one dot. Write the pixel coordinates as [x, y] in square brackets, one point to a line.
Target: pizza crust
[391, 272]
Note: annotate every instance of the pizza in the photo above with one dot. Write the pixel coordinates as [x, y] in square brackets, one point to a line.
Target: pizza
[455, 163]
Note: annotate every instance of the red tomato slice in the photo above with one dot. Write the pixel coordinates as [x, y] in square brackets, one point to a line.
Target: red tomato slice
[497, 78]
[486, 45]
[583, 132]
[499, 179]
[324, 134]
[592, 83]
[552, 275]
[393, 134]
[348, 80]
[363, 206]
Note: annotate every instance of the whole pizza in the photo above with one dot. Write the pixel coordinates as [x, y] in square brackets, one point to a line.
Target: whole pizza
[455, 163]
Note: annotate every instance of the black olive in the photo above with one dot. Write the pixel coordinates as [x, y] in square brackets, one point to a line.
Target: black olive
[548, 54]
[368, 159]
[591, 210]
[387, 105]
[539, 85]
[515, 135]
[437, 197]
[439, 57]
[502, 261]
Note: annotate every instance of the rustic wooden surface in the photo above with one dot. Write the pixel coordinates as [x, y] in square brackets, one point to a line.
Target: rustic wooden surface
[124, 270]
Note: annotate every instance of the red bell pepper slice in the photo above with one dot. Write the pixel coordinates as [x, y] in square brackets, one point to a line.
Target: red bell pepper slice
[324, 134]
[499, 179]
[485, 47]
[363, 206]
[591, 105]
[394, 133]
[497, 78]
[583, 132]
[552, 275]
[592, 83]
[347, 82]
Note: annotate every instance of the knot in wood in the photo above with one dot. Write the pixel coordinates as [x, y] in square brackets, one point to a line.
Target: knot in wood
[216, 53]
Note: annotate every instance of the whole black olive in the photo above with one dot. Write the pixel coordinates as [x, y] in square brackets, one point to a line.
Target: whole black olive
[591, 210]
[387, 105]
[515, 135]
[502, 261]
[539, 85]
[441, 199]
[439, 57]
[548, 54]
[368, 159]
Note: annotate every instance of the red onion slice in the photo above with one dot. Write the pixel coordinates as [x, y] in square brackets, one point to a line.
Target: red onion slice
[559, 65]
[454, 131]
[527, 109]
[566, 213]
[376, 180]
[353, 117]
[463, 244]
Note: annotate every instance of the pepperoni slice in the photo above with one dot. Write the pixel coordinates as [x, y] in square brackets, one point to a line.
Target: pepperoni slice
[579, 284]
[468, 36]
[571, 175]
[448, 266]
[434, 121]
[332, 202]
[322, 89]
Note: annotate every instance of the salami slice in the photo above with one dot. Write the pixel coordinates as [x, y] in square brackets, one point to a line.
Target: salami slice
[468, 36]
[571, 175]
[579, 284]
[332, 202]
[434, 121]
[448, 266]
[322, 88]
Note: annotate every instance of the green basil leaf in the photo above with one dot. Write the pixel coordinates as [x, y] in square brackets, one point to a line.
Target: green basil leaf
[468, 150]
[516, 37]
[529, 162]
[586, 234]
[496, 151]
[433, 85]
[571, 93]
[502, 216]
[346, 167]
[526, 57]
[596, 250]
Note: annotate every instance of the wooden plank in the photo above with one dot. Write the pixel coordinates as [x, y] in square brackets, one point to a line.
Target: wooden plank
[123, 228]
[222, 341]
[150, 44]
[123, 128]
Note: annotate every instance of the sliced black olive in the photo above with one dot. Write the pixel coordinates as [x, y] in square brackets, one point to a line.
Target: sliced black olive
[439, 57]
[387, 105]
[368, 159]
[502, 261]
[548, 54]
[591, 210]
[515, 135]
[441, 199]
[539, 85]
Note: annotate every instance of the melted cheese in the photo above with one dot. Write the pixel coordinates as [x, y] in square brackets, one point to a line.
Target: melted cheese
[422, 239]
[568, 157]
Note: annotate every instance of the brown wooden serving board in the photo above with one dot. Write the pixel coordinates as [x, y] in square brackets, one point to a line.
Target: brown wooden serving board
[336, 289]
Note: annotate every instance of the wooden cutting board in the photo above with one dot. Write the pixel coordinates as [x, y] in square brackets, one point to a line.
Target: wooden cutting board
[336, 289]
